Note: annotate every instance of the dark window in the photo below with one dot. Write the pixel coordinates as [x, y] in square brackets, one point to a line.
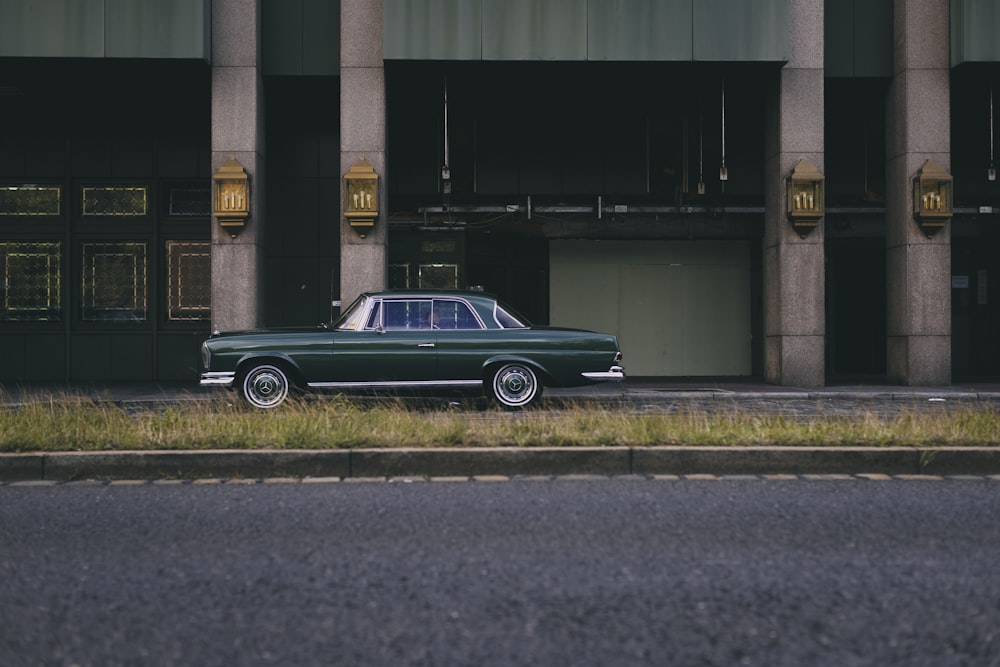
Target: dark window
[407, 314]
[31, 289]
[454, 315]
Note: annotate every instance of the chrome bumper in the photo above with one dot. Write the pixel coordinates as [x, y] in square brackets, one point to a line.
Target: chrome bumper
[222, 379]
[614, 373]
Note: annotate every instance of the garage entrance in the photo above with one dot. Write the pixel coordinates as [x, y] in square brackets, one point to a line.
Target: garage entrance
[679, 308]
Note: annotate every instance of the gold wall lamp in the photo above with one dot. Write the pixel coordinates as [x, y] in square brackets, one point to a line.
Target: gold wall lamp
[932, 197]
[805, 203]
[361, 197]
[232, 196]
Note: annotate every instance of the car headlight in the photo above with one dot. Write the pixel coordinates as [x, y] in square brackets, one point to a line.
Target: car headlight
[206, 356]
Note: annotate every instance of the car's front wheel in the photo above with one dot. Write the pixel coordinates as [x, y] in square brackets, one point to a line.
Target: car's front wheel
[265, 386]
[514, 385]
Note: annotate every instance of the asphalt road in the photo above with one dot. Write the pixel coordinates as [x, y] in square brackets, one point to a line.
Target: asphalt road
[556, 572]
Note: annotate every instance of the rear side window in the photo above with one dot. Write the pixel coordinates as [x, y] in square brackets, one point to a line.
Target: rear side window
[508, 320]
[454, 315]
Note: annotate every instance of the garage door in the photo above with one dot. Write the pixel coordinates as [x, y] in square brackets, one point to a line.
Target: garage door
[679, 308]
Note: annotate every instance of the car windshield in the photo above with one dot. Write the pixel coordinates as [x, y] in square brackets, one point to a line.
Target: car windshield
[353, 317]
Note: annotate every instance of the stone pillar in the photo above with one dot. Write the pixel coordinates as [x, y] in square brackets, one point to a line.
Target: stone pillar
[794, 311]
[238, 131]
[362, 134]
[918, 268]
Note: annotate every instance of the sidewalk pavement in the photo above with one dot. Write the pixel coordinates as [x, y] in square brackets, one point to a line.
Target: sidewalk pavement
[511, 462]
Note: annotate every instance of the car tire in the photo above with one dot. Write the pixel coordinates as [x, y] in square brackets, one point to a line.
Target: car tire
[514, 386]
[265, 386]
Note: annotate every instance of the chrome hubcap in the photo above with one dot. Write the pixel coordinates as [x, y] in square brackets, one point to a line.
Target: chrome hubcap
[266, 387]
[514, 385]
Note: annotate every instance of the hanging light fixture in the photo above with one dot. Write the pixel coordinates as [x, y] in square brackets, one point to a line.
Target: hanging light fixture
[723, 172]
[991, 171]
[701, 149]
[445, 169]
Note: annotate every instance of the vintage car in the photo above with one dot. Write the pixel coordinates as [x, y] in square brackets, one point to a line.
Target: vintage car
[412, 340]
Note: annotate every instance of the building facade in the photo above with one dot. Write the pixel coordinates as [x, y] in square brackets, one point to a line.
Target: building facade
[802, 191]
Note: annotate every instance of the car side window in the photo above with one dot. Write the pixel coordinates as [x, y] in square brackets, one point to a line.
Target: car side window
[407, 314]
[507, 320]
[454, 315]
[375, 318]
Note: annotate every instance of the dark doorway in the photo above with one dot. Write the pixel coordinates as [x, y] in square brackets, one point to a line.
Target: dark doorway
[302, 233]
[975, 316]
[856, 309]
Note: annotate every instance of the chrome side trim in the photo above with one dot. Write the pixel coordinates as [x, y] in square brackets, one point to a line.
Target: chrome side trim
[219, 379]
[614, 373]
[395, 384]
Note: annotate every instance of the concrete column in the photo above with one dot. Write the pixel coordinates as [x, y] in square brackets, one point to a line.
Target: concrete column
[238, 131]
[794, 314]
[362, 134]
[918, 119]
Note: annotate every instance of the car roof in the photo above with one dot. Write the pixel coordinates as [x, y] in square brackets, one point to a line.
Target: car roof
[426, 293]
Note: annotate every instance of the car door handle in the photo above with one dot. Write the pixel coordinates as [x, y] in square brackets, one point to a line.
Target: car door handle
[426, 345]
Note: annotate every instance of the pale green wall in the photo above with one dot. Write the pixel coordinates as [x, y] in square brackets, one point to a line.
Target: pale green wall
[740, 30]
[105, 28]
[640, 30]
[975, 25]
[576, 30]
[433, 29]
[679, 308]
[534, 29]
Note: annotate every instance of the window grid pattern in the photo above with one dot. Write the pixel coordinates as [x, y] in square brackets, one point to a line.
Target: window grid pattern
[407, 314]
[190, 202]
[30, 200]
[114, 282]
[189, 280]
[115, 201]
[439, 276]
[32, 282]
[399, 276]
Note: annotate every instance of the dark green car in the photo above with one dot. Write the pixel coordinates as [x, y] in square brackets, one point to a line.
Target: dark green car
[413, 340]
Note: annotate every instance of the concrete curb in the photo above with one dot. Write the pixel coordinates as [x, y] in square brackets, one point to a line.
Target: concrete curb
[469, 462]
[803, 395]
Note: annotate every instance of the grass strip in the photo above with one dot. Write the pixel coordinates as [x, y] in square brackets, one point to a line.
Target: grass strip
[60, 424]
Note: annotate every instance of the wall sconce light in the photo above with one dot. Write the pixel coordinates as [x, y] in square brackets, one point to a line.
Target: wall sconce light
[361, 196]
[232, 196]
[805, 194]
[932, 197]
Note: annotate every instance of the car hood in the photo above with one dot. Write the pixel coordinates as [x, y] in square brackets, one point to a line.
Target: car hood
[267, 332]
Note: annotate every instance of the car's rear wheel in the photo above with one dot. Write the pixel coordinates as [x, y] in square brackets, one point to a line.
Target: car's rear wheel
[514, 385]
[265, 386]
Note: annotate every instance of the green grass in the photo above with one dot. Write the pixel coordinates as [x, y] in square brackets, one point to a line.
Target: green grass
[75, 424]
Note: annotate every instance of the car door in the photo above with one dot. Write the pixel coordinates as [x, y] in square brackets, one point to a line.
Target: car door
[463, 343]
[396, 346]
